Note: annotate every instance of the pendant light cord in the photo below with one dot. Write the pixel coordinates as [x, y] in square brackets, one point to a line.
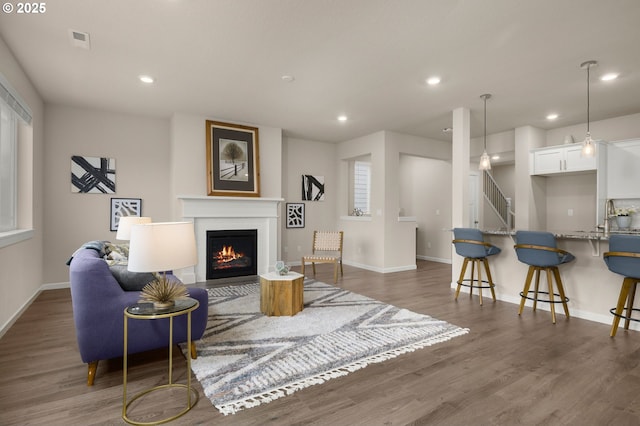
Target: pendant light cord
[588, 91]
[485, 123]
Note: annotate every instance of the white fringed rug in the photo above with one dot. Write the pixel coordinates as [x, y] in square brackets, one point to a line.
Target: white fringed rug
[246, 358]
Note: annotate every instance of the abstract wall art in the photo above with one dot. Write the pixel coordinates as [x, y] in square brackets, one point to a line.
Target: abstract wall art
[295, 215]
[121, 207]
[93, 175]
[312, 188]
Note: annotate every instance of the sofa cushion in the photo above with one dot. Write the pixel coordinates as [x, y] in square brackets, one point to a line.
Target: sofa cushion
[116, 254]
[131, 281]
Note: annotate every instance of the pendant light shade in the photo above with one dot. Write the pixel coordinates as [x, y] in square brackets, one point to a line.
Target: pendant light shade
[588, 146]
[485, 161]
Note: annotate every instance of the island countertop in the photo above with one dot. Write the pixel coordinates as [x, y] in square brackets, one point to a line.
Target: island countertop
[590, 286]
[569, 235]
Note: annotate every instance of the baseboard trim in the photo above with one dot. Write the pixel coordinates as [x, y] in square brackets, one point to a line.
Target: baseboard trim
[52, 286]
[575, 313]
[433, 259]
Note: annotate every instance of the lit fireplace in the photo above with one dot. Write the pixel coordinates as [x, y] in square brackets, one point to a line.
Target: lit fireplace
[232, 253]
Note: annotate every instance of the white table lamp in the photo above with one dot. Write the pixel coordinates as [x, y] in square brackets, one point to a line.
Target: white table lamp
[126, 222]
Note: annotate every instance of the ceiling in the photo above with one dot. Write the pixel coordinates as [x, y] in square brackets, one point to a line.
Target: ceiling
[367, 59]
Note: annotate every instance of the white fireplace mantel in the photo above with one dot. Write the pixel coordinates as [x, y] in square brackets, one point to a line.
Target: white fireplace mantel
[232, 213]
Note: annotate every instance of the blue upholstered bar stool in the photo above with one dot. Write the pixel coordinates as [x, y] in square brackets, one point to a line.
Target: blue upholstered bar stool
[623, 258]
[539, 251]
[470, 244]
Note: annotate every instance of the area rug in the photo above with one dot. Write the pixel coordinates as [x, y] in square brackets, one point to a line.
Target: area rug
[246, 358]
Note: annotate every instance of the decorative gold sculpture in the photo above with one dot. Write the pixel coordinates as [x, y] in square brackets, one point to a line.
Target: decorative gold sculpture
[163, 292]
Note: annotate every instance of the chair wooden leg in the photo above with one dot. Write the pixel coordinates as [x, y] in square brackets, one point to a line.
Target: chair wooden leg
[624, 292]
[313, 266]
[630, 299]
[302, 271]
[473, 275]
[551, 301]
[193, 350]
[335, 273]
[477, 263]
[489, 278]
[537, 287]
[462, 272]
[525, 291]
[556, 273]
[341, 272]
[91, 373]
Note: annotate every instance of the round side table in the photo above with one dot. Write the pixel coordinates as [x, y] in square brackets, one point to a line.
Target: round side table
[146, 311]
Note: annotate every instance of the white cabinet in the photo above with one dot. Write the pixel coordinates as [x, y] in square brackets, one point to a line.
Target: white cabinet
[561, 159]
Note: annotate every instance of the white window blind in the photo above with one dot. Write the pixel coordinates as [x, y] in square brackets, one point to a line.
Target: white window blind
[8, 182]
[362, 186]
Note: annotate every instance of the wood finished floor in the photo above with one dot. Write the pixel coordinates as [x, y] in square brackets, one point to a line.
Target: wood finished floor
[508, 370]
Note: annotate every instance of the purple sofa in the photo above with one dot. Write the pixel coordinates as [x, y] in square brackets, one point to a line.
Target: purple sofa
[98, 305]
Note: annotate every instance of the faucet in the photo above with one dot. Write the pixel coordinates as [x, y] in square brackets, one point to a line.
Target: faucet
[609, 212]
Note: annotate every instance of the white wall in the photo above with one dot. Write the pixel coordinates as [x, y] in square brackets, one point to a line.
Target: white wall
[140, 146]
[425, 192]
[309, 158]
[21, 263]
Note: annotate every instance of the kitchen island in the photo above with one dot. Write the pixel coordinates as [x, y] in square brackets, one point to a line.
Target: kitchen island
[591, 288]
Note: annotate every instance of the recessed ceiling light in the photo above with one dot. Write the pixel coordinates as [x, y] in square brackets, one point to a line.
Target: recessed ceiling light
[342, 118]
[288, 78]
[447, 130]
[552, 116]
[146, 79]
[609, 77]
[432, 81]
[495, 157]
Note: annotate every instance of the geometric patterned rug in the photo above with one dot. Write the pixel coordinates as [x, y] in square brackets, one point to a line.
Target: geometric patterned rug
[246, 358]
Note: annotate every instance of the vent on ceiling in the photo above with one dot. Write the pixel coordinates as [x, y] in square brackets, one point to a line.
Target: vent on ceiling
[80, 39]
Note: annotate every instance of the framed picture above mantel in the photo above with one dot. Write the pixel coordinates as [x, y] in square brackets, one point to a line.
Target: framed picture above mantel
[232, 160]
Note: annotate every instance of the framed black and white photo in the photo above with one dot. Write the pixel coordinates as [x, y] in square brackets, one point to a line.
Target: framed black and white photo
[295, 215]
[312, 188]
[232, 160]
[121, 207]
[93, 175]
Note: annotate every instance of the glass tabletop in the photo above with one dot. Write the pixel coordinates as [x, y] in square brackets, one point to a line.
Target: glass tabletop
[148, 309]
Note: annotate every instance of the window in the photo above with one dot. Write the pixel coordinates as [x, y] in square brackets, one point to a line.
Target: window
[8, 184]
[361, 187]
[12, 109]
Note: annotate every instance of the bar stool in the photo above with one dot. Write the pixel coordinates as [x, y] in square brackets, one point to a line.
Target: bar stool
[624, 259]
[470, 244]
[539, 251]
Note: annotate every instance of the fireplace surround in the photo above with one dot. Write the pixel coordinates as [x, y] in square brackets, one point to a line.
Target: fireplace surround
[232, 213]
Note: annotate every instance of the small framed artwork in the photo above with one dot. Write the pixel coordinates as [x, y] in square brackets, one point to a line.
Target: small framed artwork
[232, 160]
[124, 207]
[312, 188]
[93, 175]
[295, 215]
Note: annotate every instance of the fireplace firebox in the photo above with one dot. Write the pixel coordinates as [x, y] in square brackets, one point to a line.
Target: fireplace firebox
[232, 253]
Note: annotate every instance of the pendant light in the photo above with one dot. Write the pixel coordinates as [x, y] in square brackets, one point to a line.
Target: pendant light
[588, 146]
[485, 162]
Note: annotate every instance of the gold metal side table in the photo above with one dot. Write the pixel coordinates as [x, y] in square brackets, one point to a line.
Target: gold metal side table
[146, 311]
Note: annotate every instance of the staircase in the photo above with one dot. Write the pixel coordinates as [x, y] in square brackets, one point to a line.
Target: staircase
[500, 204]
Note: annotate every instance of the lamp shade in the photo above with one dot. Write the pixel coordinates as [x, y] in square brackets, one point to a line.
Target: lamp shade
[162, 246]
[126, 222]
